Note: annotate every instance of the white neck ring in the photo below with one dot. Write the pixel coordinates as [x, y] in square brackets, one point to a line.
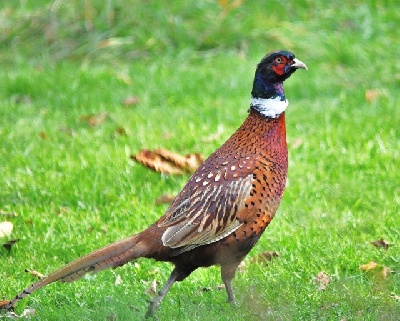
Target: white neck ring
[270, 107]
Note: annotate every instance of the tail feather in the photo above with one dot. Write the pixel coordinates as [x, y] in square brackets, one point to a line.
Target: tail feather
[110, 256]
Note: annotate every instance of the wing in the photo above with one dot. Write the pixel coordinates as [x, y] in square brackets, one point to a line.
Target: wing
[205, 210]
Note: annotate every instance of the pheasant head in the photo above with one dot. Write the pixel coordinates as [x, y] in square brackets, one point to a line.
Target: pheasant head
[268, 96]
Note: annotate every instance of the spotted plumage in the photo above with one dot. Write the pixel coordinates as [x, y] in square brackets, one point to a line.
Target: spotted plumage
[226, 205]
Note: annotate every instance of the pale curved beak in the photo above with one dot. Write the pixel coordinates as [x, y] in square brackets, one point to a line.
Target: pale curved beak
[299, 64]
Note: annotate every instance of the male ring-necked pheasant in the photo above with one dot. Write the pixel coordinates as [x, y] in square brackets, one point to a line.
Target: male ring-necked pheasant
[227, 203]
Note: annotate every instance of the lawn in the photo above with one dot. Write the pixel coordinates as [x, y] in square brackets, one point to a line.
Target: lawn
[68, 184]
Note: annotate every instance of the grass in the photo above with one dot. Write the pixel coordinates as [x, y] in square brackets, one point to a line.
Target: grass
[191, 65]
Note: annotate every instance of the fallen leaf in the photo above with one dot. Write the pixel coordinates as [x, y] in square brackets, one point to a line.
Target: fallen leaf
[8, 214]
[63, 210]
[67, 130]
[25, 314]
[381, 244]
[111, 317]
[9, 244]
[164, 199]
[94, 119]
[193, 161]
[43, 135]
[167, 162]
[152, 288]
[3, 304]
[203, 289]
[118, 280]
[385, 272]
[131, 100]
[377, 270]
[120, 131]
[229, 5]
[154, 161]
[125, 78]
[265, 257]
[322, 279]
[6, 228]
[395, 296]
[220, 287]
[21, 99]
[189, 162]
[241, 267]
[372, 94]
[12, 315]
[297, 143]
[153, 271]
[369, 266]
[36, 274]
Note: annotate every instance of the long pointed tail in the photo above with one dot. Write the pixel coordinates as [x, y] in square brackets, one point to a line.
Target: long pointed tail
[110, 256]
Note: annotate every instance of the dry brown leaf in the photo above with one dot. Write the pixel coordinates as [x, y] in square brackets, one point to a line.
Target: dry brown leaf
[205, 289]
[6, 228]
[152, 288]
[241, 267]
[372, 94]
[111, 317]
[369, 266]
[8, 214]
[164, 199]
[63, 210]
[193, 161]
[125, 78]
[43, 135]
[120, 131]
[9, 244]
[395, 296]
[385, 272]
[66, 130]
[3, 304]
[21, 99]
[154, 271]
[381, 244]
[376, 270]
[297, 143]
[36, 274]
[167, 162]
[25, 314]
[190, 162]
[220, 287]
[322, 279]
[118, 280]
[265, 257]
[131, 100]
[154, 161]
[94, 119]
[202, 290]
[229, 5]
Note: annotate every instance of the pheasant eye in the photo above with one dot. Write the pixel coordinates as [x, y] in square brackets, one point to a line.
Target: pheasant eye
[279, 60]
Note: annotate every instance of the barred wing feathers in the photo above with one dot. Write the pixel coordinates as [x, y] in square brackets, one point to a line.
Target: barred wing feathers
[206, 212]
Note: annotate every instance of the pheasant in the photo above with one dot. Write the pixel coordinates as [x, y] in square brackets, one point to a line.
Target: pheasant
[225, 206]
